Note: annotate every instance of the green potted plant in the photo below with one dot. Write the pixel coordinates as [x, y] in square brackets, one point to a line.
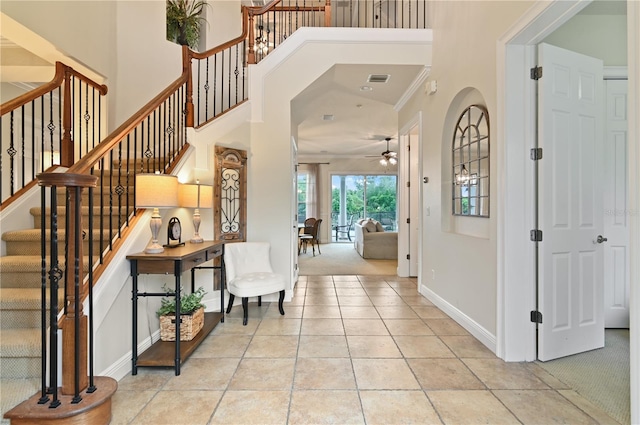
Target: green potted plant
[184, 19]
[191, 315]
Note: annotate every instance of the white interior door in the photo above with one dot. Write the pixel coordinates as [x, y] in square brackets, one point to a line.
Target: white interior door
[570, 208]
[409, 201]
[616, 226]
[414, 200]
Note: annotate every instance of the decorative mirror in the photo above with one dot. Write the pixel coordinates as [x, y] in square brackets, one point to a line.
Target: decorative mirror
[470, 163]
[230, 197]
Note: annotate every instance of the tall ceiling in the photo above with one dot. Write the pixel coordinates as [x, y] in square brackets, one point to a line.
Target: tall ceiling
[340, 114]
[344, 113]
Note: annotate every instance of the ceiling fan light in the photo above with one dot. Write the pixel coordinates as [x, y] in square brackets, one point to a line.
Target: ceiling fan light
[383, 161]
[393, 160]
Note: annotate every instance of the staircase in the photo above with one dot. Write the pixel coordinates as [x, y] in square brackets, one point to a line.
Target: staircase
[20, 290]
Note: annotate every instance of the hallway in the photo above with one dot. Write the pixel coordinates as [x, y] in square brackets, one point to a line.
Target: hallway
[350, 350]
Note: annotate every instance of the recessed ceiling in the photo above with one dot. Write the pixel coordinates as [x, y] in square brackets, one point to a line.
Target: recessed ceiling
[362, 119]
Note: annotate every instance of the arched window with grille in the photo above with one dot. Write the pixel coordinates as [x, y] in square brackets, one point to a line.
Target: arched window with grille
[470, 163]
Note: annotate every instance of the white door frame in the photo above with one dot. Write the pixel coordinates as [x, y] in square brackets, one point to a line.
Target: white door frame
[404, 211]
[516, 261]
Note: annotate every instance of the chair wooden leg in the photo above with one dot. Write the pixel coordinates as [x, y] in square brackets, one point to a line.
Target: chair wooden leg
[318, 243]
[231, 298]
[280, 300]
[245, 310]
[259, 301]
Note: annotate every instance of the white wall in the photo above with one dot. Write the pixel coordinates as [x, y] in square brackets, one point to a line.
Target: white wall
[224, 22]
[459, 270]
[89, 28]
[592, 35]
[146, 62]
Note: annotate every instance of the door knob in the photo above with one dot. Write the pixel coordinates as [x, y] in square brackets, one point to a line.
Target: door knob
[600, 239]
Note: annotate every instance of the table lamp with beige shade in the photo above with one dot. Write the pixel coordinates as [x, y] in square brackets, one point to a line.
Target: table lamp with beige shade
[156, 191]
[196, 195]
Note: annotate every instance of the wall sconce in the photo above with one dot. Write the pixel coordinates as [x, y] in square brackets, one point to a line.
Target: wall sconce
[196, 196]
[156, 191]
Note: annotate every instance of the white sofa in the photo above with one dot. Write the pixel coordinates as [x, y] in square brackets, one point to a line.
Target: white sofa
[373, 242]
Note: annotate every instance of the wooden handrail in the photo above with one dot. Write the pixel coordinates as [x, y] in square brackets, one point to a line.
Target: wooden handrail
[258, 10]
[58, 79]
[90, 159]
[230, 43]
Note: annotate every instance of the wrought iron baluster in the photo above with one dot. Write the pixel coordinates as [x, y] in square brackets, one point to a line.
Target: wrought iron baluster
[101, 235]
[215, 85]
[110, 241]
[12, 152]
[198, 91]
[22, 141]
[33, 141]
[92, 386]
[55, 274]
[44, 398]
[76, 295]
[119, 188]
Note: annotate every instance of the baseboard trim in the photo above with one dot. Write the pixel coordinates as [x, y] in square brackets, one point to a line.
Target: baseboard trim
[122, 367]
[479, 332]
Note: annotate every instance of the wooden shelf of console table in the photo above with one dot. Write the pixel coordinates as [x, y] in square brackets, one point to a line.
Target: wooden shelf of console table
[162, 353]
[176, 261]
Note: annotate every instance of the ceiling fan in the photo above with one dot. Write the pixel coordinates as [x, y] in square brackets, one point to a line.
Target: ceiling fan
[388, 156]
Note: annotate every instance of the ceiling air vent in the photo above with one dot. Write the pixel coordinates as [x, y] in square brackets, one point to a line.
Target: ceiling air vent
[327, 117]
[378, 78]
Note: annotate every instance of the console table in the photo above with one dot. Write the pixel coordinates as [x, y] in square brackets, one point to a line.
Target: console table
[174, 261]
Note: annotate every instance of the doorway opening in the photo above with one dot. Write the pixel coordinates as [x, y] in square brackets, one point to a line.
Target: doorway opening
[356, 196]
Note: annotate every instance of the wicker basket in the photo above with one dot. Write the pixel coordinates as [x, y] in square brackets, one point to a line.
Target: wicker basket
[190, 325]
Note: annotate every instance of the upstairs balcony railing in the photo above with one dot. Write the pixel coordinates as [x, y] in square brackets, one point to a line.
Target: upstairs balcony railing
[218, 81]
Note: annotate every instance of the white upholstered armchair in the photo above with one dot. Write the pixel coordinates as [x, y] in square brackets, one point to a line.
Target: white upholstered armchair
[249, 274]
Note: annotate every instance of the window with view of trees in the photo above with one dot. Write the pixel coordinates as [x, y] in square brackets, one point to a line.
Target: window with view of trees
[361, 196]
[302, 197]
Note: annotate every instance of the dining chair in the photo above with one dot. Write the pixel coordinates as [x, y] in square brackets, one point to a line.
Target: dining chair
[312, 238]
[249, 274]
[304, 234]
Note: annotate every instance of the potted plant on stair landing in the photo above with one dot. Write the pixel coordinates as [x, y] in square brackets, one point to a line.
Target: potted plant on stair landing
[184, 19]
[191, 315]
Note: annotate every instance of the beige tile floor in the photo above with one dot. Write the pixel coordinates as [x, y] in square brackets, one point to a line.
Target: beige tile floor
[350, 350]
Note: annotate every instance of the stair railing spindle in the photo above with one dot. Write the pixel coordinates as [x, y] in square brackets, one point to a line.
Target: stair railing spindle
[43, 303]
[92, 386]
[76, 295]
[55, 274]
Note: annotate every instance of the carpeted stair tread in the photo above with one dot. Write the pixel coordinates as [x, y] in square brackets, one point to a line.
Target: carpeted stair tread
[20, 342]
[31, 235]
[15, 391]
[28, 242]
[27, 263]
[24, 298]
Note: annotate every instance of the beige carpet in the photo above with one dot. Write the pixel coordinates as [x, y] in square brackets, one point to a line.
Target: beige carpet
[342, 259]
[601, 376]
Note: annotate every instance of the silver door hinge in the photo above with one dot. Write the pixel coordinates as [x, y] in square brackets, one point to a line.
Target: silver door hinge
[536, 73]
[536, 316]
[408, 257]
[535, 235]
[535, 154]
